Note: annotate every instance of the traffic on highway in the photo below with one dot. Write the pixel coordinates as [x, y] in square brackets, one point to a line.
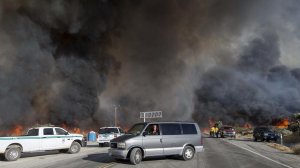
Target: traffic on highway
[161, 144]
[149, 83]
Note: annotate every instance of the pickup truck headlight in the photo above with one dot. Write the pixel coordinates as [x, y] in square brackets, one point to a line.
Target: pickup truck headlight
[121, 145]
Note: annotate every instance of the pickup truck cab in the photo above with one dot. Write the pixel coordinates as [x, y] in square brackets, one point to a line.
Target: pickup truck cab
[40, 139]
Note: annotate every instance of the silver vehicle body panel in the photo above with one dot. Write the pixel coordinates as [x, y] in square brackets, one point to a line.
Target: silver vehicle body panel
[157, 145]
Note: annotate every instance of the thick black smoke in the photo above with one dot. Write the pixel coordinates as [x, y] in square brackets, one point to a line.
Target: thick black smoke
[70, 61]
[256, 89]
[54, 61]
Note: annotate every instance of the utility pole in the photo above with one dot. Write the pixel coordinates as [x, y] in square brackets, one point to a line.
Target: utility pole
[116, 107]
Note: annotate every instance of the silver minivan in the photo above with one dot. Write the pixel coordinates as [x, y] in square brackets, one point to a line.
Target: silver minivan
[157, 139]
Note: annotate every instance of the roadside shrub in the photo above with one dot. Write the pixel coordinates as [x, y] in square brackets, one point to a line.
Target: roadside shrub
[296, 149]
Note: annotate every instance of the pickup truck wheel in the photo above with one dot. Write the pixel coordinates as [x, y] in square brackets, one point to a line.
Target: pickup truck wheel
[12, 154]
[188, 153]
[75, 148]
[136, 156]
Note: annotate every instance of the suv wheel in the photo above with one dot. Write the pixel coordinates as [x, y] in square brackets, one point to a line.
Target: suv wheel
[136, 156]
[188, 153]
[101, 144]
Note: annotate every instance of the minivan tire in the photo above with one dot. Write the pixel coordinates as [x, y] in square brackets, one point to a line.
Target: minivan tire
[12, 154]
[74, 148]
[188, 153]
[136, 156]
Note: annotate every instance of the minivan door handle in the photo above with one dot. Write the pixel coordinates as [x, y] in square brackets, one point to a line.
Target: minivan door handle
[160, 140]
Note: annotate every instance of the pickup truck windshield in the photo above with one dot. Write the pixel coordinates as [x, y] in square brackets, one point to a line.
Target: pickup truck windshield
[136, 129]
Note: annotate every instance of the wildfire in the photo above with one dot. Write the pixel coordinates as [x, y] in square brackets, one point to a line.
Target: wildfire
[284, 123]
[75, 130]
[247, 125]
[17, 130]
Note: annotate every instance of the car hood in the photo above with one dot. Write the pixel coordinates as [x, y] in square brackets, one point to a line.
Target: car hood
[122, 138]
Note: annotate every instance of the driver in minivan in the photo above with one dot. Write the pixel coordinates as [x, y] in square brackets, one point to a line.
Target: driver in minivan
[154, 130]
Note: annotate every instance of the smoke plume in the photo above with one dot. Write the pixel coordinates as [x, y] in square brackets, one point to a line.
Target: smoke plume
[69, 62]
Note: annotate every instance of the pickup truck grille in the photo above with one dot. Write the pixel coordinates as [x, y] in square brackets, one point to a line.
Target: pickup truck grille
[113, 145]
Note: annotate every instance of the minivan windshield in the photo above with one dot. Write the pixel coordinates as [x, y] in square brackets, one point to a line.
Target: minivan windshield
[136, 129]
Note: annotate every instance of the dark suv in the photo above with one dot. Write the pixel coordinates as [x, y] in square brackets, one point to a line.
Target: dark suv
[265, 134]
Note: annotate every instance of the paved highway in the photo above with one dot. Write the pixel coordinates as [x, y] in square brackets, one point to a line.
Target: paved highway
[225, 153]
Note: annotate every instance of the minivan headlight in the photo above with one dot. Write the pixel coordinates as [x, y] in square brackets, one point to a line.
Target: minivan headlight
[121, 145]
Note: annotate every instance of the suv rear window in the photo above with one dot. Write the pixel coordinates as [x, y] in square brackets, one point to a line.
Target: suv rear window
[189, 129]
[171, 129]
[108, 130]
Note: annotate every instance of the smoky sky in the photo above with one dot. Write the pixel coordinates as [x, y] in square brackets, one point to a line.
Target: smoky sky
[70, 62]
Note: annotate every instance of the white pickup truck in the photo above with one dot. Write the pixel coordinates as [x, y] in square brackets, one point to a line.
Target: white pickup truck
[40, 139]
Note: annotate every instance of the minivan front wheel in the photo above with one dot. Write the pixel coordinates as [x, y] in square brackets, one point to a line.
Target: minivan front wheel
[188, 153]
[136, 156]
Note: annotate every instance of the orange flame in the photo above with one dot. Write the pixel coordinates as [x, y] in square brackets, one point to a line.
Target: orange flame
[247, 125]
[284, 123]
[75, 130]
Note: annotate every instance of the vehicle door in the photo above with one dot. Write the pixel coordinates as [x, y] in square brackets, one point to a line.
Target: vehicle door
[172, 140]
[152, 140]
[49, 140]
[65, 139]
[32, 140]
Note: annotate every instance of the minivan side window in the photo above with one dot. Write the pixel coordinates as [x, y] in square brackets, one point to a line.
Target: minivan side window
[189, 129]
[171, 129]
[152, 129]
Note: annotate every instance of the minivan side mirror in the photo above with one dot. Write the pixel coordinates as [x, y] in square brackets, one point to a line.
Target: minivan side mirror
[145, 133]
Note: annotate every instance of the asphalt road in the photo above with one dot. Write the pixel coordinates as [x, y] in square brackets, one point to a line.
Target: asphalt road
[225, 153]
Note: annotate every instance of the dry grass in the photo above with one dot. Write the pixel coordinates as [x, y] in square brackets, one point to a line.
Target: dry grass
[280, 147]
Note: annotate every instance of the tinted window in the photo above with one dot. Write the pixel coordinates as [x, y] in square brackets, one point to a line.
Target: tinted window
[48, 131]
[60, 131]
[171, 129]
[33, 132]
[189, 129]
[108, 130]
